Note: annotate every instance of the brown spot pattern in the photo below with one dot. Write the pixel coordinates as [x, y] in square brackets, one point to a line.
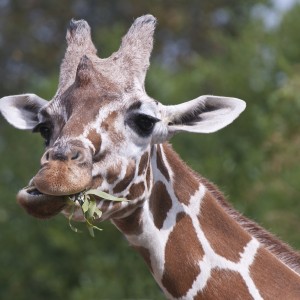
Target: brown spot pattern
[109, 125]
[97, 180]
[179, 274]
[225, 236]
[136, 190]
[122, 212]
[95, 139]
[161, 165]
[105, 205]
[113, 173]
[108, 122]
[131, 224]
[185, 182]
[145, 254]
[111, 208]
[129, 175]
[273, 279]
[275, 246]
[143, 163]
[225, 285]
[148, 177]
[160, 203]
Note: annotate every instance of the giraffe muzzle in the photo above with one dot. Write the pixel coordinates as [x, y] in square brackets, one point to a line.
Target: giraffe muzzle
[64, 171]
[62, 174]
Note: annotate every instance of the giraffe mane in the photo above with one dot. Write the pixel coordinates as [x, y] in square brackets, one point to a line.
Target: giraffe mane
[279, 249]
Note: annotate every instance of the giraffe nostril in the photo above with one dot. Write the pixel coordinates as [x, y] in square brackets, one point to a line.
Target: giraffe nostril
[45, 158]
[59, 156]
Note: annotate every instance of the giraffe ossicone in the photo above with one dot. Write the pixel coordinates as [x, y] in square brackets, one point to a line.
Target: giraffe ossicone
[103, 131]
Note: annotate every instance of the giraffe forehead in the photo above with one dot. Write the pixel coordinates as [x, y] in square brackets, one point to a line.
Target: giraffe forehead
[97, 117]
[94, 99]
[95, 109]
[81, 109]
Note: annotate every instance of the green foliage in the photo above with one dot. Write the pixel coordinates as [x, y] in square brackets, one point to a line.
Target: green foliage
[87, 202]
[201, 48]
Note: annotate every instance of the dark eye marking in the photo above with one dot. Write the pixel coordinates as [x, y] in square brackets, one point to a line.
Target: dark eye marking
[45, 129]
[135, 105]
[142, 124]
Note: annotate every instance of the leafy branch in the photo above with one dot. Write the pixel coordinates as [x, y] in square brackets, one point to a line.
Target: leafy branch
[89, 208]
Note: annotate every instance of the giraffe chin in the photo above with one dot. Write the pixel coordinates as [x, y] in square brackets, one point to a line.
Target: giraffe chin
[40, 205]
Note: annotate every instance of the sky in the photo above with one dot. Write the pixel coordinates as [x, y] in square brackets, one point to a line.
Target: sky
[272, 17]
[284, 5]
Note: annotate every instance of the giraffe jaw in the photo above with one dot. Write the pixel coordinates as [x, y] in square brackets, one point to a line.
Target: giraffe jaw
[45, 206]
[40, 205]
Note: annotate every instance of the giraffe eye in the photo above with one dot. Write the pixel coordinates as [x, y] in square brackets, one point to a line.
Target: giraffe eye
[45, 132]
[142, 124]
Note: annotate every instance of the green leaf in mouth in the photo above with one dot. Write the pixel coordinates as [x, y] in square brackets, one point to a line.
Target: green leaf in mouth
[104, 195]
[88, 205]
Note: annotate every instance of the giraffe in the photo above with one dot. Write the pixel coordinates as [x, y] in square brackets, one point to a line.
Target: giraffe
[102, 130]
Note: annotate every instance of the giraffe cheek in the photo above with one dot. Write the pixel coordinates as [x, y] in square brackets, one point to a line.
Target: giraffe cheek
[62, 178]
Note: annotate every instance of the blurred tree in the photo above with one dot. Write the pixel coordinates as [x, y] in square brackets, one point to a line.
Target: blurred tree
[185, 27]
[201, 47]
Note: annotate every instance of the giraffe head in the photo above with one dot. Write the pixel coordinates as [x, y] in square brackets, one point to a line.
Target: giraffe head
[100, 125]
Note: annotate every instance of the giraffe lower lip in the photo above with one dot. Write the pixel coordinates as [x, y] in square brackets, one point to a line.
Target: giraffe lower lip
[40, 205]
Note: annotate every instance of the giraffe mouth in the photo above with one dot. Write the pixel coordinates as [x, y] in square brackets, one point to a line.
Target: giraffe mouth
[40, 205]
[44, 206]
[34, 192]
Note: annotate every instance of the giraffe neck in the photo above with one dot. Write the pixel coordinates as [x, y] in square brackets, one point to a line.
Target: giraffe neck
[194, 244]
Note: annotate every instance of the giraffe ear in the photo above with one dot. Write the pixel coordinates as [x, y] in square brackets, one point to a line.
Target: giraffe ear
[21, 111]
[205, 114]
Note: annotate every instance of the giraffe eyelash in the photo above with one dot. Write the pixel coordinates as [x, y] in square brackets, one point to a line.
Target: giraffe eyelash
[142, 124]
[45, 129]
